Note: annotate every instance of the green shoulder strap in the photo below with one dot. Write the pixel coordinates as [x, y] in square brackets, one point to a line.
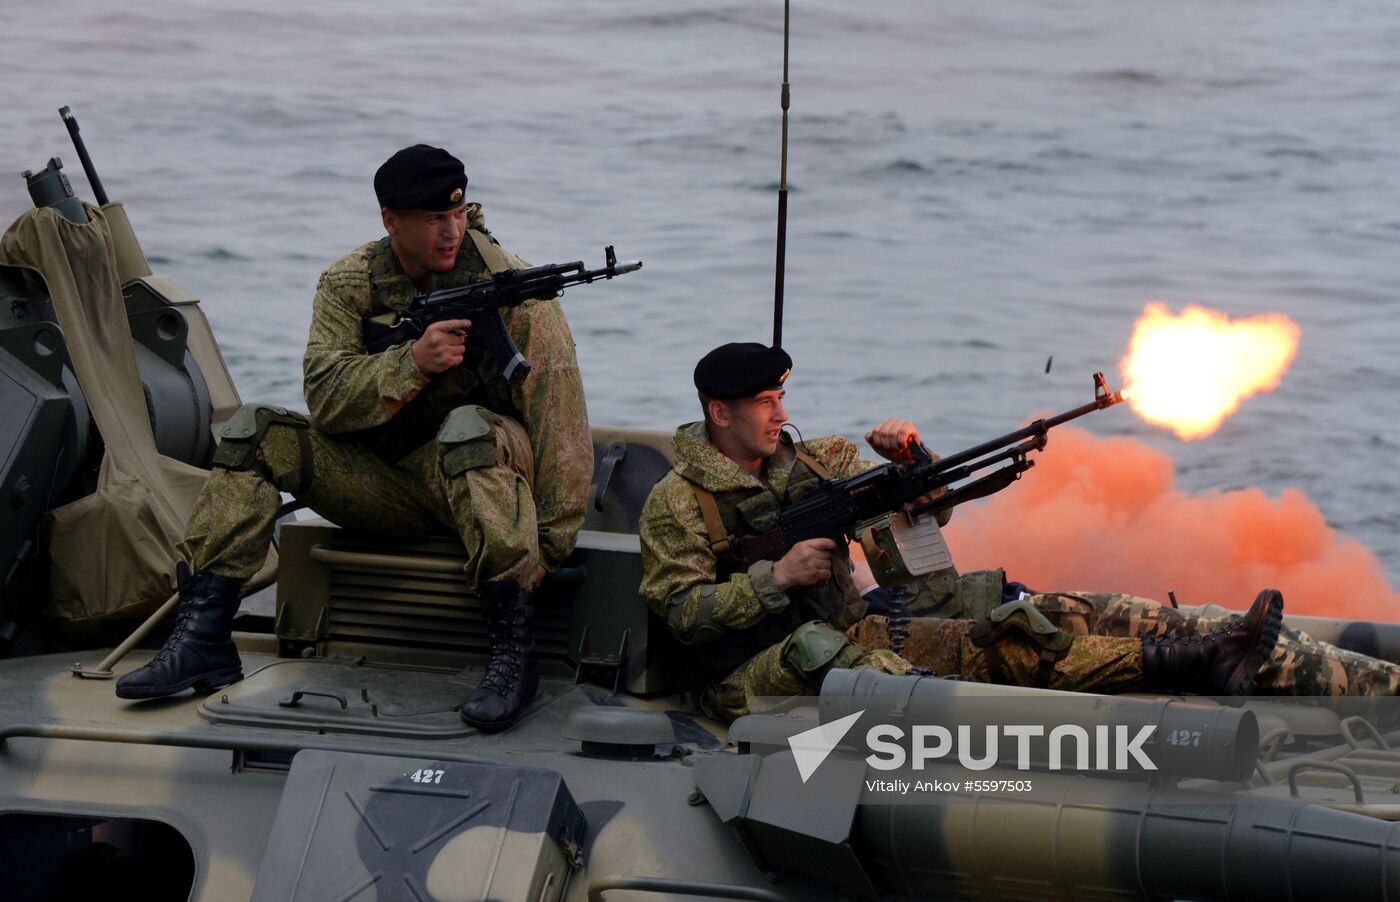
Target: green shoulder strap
[714, 523]
[491, 253]
[812, 463]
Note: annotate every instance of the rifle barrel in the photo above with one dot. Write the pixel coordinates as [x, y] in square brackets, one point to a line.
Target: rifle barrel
[541, 279]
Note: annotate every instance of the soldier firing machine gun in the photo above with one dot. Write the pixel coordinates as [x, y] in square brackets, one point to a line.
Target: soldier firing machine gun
[481, 302]
[892, 508]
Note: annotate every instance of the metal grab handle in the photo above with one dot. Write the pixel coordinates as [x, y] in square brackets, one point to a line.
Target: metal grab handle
[615, 453]
[1272, 743]
[1342, 769]
[598, 887]
[336, 557]
[242, 742]
[1367, 727]
[451, 566]
[295, 698]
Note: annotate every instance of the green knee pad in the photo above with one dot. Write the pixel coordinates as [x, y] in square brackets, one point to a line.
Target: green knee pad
[239, 439]
[814, 648]
[1022, 617]
[466, 442]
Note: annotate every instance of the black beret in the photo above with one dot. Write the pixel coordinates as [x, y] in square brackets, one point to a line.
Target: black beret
[421, 178]
[741, 369]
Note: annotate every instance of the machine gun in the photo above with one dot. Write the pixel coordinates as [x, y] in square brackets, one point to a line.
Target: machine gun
[845, 508]
[481, 302]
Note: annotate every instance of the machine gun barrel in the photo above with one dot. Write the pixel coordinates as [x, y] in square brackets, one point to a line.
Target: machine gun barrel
[1102, 398]
[839, 507]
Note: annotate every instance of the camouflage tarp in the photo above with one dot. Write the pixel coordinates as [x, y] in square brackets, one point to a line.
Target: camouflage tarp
[111, 553]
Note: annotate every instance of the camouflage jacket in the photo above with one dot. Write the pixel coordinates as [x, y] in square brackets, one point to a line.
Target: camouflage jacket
[351, 391]
[684, 583]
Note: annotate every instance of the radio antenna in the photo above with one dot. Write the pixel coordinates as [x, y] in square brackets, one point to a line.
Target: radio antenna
[782, 195]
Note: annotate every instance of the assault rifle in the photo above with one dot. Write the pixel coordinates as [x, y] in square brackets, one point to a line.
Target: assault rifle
[481, 302]
[838, 508]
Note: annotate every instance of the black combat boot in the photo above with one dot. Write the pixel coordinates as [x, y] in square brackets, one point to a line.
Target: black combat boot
[511, 679]
[1222, 662]
[200, 651]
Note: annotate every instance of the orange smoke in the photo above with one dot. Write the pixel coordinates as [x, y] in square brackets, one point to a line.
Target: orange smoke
[1190, 372]
[1102, 515]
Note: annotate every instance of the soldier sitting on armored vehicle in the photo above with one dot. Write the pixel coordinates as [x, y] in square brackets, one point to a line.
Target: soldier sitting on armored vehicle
[775, 627]
[425, 437]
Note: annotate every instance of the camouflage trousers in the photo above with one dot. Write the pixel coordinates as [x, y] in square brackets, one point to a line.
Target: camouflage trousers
[1092, 663]
[485, 499]
[1300, 665]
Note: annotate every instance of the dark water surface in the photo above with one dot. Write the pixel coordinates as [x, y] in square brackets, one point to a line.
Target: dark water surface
[974, 187]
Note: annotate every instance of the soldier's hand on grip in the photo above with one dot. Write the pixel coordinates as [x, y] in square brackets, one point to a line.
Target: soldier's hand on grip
[805, 564]
[892, 440]
[441, 346]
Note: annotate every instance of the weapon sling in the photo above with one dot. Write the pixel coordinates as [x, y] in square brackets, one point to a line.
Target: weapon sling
[714, 523]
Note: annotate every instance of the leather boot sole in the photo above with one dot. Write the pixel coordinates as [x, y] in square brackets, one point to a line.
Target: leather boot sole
[204, 682]
[495, 726]
[490, 726]
[1268, 608]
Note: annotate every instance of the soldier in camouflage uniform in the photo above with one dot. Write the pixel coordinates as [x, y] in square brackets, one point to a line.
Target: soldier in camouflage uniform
[1299, 665]
[776, 627]
[425, 437]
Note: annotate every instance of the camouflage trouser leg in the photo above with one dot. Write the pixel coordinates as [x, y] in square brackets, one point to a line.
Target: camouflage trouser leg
[1300, 665]
[781, 670]
[491, 502]
[231, 525]
[485, 499]
[1098, 664]
[792, 667]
